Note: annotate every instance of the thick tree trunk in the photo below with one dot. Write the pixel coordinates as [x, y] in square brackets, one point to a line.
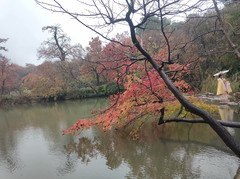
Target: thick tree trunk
[217, 127]
[62, 53]
[223, 123]
[97, 78]
[3, 87]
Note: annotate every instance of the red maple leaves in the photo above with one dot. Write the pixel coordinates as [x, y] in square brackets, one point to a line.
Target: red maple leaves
[144, 96]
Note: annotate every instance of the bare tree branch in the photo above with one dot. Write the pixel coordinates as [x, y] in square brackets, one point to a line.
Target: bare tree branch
[222, 25]
[146, 9]
[223, 123]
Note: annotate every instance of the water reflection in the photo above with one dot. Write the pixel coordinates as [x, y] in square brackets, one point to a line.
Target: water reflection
[227, 114]
[30, 135]
[161, 158]
[31, 146]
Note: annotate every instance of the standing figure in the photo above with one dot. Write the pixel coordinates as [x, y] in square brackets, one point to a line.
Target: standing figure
[223, 88]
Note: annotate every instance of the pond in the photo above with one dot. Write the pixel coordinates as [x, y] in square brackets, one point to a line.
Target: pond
[32, 146]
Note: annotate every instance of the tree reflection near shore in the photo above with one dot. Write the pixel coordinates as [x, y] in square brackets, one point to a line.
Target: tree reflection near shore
[158, 158]
[31, 144]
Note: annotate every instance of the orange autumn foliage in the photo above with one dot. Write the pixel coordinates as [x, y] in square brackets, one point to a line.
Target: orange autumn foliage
[144, 96]
[45, 81]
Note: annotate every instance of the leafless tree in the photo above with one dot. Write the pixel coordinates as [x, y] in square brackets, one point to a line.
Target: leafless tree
[133, 14]
[3, 41]
[58, 46]
[223, 28]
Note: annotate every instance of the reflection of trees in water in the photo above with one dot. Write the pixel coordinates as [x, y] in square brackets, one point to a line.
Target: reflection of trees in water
[15, 122]
[69, 165]
[154, 156]
[85, 149]
[169, 151]
[8, 154]
[51, 118]
[10, 160]
[160, 159]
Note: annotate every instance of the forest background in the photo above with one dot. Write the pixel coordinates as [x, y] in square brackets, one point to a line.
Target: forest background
[71, 72]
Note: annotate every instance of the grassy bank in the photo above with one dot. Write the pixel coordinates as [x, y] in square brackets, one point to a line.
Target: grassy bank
[104, 90]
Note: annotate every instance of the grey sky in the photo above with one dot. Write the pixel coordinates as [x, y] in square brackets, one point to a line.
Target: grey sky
[22, 21]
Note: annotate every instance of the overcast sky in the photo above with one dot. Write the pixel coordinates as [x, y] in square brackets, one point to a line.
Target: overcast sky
[21, 21]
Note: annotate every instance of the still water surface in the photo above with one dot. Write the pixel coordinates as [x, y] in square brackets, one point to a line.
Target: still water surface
[32, 147]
